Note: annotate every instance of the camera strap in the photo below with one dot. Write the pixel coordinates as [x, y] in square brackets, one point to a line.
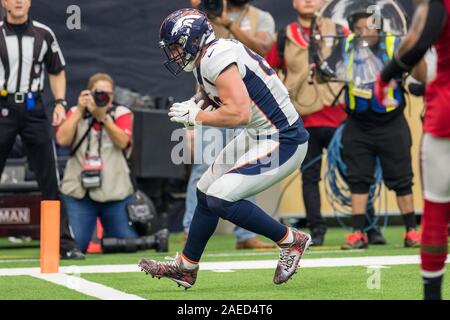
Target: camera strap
[303, 32]
[78, 145]
[87, 133]
[100, 136]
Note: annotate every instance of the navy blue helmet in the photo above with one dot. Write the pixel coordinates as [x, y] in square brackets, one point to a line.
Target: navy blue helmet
[182, 36]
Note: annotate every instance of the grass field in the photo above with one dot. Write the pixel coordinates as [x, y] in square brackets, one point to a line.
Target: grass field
[119, 274]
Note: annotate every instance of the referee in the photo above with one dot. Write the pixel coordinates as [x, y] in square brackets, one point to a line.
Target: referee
[26, 46]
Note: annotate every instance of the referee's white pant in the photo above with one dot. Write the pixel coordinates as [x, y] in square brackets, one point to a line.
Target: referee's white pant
[250, 164]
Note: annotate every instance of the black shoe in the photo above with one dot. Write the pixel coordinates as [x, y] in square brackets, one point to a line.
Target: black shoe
[318, 236]
[73, 254]
[375, 236]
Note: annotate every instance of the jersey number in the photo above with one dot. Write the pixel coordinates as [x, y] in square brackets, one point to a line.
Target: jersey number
[262, 63]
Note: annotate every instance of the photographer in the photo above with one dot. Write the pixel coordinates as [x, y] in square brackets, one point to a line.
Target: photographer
[97, 178]
[236, 19]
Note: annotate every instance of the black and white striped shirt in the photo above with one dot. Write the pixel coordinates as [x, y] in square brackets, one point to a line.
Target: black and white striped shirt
[19, 51]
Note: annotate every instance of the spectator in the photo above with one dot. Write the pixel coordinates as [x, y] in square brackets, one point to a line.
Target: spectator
[27, 47]
[254, 28]
[97, 179]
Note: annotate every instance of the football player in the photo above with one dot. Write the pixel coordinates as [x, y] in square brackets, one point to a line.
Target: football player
[430, 26]
[272, 146]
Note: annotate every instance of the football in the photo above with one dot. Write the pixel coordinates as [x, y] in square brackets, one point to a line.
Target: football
[202, 95]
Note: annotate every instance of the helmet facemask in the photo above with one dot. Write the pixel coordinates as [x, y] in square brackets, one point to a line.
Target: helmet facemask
[178, 56]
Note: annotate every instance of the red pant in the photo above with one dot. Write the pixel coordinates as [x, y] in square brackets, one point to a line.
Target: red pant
[433, 253]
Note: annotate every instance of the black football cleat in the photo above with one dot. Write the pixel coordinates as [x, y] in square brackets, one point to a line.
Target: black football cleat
[172, 270]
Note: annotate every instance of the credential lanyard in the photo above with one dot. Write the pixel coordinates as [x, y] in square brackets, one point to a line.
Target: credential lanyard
[100, 138]
[303, 32]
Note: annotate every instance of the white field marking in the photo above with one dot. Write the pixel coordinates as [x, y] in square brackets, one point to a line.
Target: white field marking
[222, 271]
[87, 287]
[378, 267]
[275, 252]
[18, 260]
[236, 265]
[227, 254]
[19, 271]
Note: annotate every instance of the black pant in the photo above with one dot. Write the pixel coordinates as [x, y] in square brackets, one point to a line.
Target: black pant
[391, 142]
[34, 130]
[319, 139]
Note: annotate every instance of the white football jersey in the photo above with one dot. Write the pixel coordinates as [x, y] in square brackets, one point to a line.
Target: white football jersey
[271, 106]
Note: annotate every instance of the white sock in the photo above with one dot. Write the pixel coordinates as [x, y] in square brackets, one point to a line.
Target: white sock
[188, 265]
[289, 238]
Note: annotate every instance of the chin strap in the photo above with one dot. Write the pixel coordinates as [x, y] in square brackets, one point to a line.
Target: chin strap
[190, 66]
[208, 39]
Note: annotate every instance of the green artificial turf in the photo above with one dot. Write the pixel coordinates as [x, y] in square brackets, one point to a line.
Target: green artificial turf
[397, 282]
[29, 288]
[340, 283]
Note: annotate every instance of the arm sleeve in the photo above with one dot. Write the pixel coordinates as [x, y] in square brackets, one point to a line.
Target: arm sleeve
[53, 59]
[431, 32]
[433, 26]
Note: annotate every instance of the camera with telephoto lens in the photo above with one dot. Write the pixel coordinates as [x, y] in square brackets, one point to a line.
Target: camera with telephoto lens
[101, 98]
[158, 241]
[143, 217]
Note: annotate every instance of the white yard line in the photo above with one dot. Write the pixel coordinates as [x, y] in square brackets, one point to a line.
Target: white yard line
[314, 263]
[19, 271]
[18, 260]
[232, 265]
[274, 252]
[87, 287]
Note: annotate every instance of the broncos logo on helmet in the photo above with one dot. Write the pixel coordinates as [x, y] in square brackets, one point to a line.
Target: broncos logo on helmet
[186, 21]
[182, 36]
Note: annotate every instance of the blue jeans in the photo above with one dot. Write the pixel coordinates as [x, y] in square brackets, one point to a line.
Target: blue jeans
[83, 215]
[191, 197]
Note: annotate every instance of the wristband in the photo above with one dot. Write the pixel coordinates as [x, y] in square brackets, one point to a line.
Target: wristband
[62, 102]
[107, 117]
